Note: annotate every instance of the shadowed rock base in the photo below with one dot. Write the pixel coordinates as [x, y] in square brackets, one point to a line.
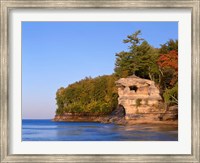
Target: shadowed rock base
[118, 116]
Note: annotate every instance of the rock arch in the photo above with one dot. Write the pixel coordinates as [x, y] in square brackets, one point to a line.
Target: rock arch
[120, 111]
[137, 95]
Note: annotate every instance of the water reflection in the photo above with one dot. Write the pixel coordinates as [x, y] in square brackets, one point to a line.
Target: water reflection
[86, 131]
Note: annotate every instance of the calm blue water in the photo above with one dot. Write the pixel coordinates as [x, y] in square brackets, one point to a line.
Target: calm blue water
[46, 130]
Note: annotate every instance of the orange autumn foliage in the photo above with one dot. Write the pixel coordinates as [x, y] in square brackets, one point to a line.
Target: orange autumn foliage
[170, 60]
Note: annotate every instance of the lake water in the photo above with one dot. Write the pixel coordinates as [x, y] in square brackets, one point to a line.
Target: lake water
[47, 130]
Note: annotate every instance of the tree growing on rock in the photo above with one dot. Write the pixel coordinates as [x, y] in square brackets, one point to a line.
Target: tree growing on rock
[157, 64]
[139, 60]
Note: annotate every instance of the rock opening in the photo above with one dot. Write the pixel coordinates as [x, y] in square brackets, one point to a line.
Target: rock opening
[133, 88]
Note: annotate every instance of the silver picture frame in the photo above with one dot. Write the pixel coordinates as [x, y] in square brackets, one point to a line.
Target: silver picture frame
[8, 5]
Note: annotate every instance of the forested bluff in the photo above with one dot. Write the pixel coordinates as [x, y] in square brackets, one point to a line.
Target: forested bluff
[97, 99]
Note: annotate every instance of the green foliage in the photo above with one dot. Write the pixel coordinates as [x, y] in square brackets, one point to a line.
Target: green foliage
[139, 60]
[138, 102]
[125, 64]
[171, 95]
[143, 61]
[146, 64]
[169, 46]
[92, 96]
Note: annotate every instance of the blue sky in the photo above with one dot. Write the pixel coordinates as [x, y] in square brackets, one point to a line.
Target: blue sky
[55, 54]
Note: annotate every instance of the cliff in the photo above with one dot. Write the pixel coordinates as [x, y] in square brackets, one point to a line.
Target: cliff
[139, 101]
[117, 117]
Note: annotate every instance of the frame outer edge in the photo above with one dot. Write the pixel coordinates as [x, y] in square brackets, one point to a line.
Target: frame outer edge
[1, 85]
[4, 83]
[98, 3]
[196, 82]
[99, 158]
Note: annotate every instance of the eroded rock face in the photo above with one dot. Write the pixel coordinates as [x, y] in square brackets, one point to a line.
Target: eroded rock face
[139, 96]
[139, 102]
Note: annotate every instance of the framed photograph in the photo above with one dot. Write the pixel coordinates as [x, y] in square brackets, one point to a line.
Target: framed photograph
[100, 81]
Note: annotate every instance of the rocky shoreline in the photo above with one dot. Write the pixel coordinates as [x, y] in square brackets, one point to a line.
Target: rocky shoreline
[118, 117]
[106, 119]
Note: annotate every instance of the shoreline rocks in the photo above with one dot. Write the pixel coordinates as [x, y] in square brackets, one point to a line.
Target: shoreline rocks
[117, 121]
[118, 117]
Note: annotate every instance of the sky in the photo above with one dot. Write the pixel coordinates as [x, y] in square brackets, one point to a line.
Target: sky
[55, 54]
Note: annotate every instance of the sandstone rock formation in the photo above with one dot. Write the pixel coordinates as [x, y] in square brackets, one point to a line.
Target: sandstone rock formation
[139, 97]
[139, 101]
